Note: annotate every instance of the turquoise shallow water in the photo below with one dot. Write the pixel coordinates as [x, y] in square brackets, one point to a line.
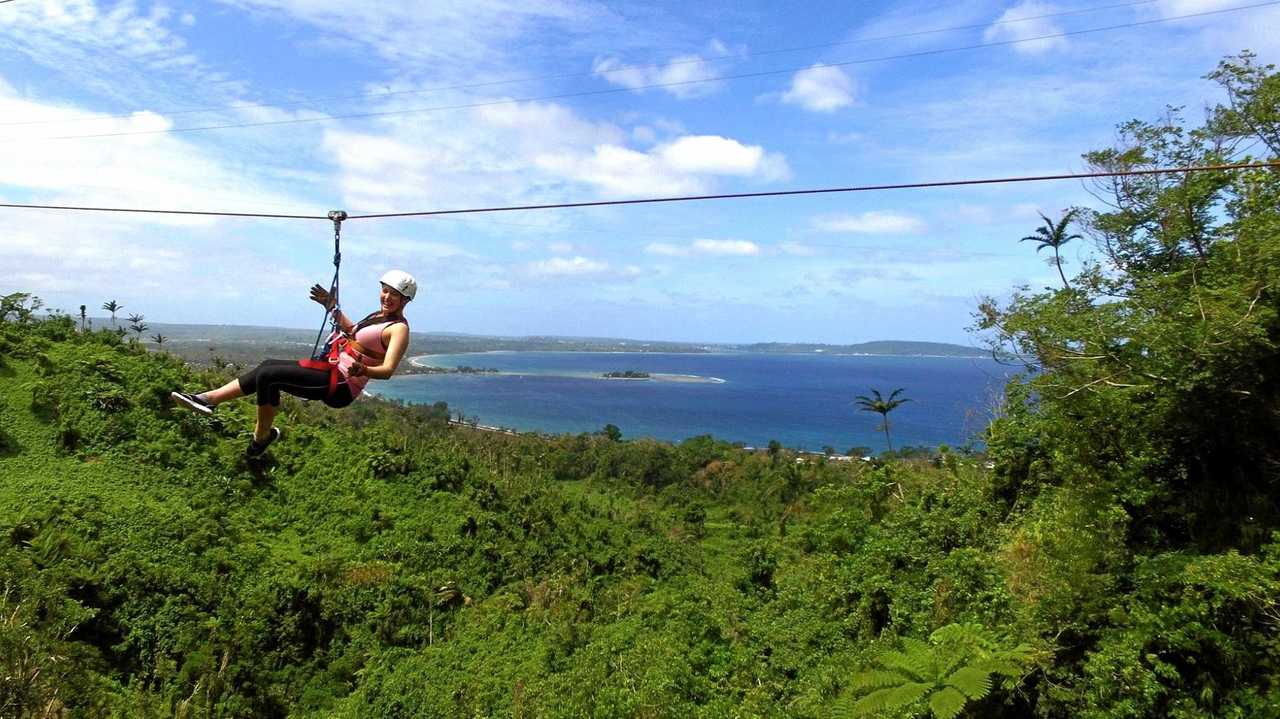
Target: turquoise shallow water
[804, 401]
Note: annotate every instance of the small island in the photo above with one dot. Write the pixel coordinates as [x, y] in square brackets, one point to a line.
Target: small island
[629, 374]
[414, 368]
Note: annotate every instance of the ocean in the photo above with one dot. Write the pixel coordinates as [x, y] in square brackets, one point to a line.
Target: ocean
[803, 401]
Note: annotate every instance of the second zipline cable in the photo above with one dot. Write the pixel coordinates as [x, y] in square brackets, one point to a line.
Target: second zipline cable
[1272, 164]
[833, 190]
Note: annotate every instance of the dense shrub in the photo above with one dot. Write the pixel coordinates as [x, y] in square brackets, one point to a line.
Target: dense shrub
[1123, 543]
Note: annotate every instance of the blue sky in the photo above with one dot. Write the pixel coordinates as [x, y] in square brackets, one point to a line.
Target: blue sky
[837, 268]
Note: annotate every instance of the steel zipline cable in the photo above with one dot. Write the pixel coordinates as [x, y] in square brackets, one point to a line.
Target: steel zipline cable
[834, 190]
[1271, 164]
[206, 213]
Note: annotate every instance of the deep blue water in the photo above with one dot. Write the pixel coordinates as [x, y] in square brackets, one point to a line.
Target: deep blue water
[804, 401]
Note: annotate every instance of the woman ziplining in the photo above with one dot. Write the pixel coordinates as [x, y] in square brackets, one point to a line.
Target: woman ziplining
[336, 374]
[356, 352]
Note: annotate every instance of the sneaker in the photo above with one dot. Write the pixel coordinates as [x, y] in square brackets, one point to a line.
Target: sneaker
[191, 402]
[257, 449]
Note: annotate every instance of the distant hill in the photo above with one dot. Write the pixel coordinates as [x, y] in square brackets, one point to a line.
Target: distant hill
[879, 347]
[247, 344]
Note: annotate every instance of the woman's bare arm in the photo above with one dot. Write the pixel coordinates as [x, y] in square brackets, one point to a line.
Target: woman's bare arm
[344, 323]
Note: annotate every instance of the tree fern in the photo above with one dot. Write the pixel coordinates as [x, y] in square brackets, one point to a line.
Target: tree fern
[1008, 662]
[921, 656]
[951, 669]
[970, 634]
[891, 698]
[946, 703]
[876, 679]
[842, 708]
[973, 682]
[912, 666]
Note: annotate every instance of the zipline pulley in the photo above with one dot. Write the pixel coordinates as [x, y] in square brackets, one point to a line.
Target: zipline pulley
[331, 313]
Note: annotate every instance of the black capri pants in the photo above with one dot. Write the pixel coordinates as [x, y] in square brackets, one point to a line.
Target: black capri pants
[274, 376]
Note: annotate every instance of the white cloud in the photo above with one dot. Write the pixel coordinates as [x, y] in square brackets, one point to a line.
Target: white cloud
[797, 249]
[873, 222]
[1227, 33]
[725, 247]
[71, 259]
[563, 271]
[820, 89]
[681, 166]
[149, 170]
[560, 248]
[684, 76]
[567, 267]
[1012, 26]
[618, 171]
[903, 22]
[458, 38]
[484, 155]
[525, 153]
[78, 256]
[119, 51]
[717, 155]
[705, 248]
[1171, 8]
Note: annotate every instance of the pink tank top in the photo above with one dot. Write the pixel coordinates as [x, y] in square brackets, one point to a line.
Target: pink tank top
[370, 338]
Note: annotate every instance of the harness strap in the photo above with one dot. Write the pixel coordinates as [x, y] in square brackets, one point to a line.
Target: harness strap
[337, 346]
[324, 365]
[329, 315]
[355, 347]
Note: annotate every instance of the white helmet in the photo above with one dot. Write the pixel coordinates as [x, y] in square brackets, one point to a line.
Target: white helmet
[401, 282]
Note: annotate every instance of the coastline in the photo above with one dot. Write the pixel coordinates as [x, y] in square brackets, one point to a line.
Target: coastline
[420, 362]
[747, 397]
[708, 353]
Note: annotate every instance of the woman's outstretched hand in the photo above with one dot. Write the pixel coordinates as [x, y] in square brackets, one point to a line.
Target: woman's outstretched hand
[321, 295]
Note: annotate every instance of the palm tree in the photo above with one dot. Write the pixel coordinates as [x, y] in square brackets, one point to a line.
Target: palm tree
[83, 316]
[113, 308]
[137, 325]
[883, 406]
[159, 338]
[1055, 236]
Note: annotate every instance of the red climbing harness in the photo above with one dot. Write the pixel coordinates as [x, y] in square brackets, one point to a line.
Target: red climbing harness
[337, 345]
